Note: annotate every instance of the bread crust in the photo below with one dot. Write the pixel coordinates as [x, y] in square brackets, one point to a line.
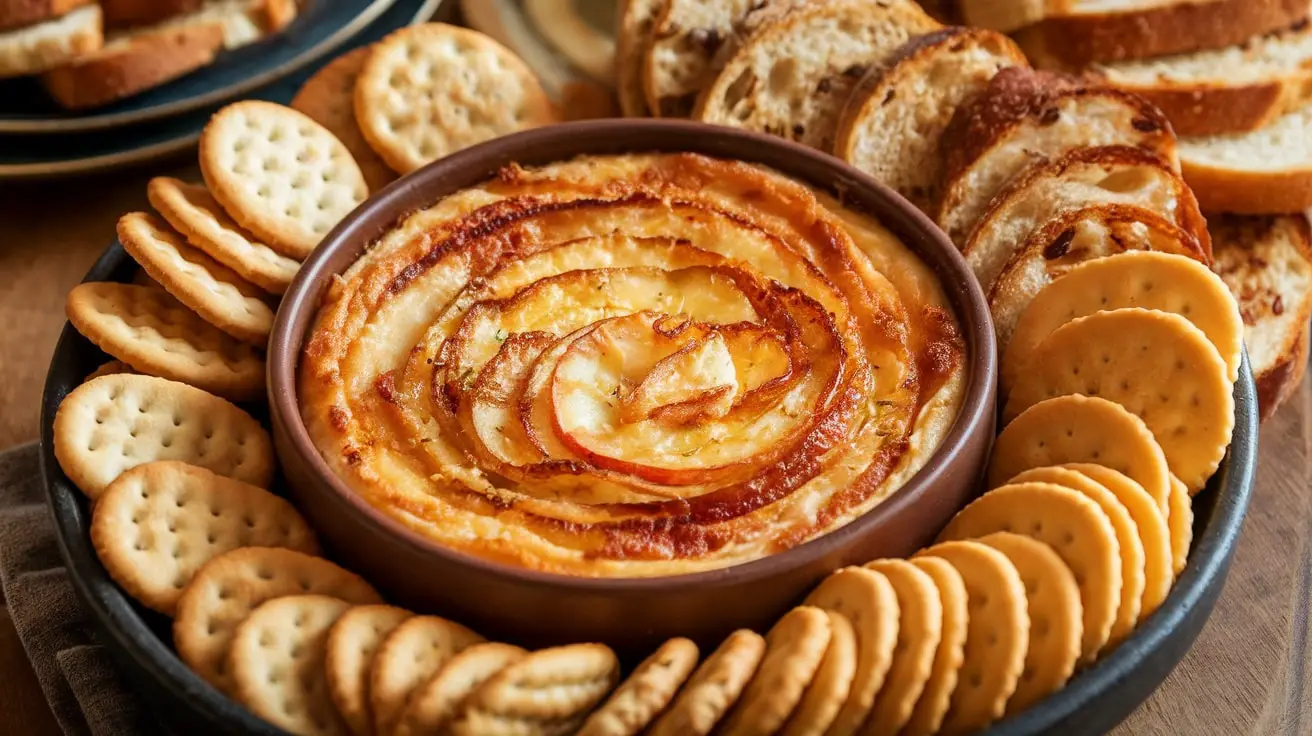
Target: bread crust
[1278, 383]
[1216, 109]
[34, 49]
[1176, 28]
[19, 13]
[636, 19]
[125, 13]
[1249, 192]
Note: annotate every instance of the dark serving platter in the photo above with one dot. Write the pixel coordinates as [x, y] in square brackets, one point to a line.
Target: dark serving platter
[1092, 703]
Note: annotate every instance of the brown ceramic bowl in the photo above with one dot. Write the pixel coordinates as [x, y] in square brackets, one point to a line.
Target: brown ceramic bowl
[535, 608]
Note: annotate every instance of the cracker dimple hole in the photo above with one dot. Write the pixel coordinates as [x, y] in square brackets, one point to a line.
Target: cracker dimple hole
[264, 573]
[1068, 538]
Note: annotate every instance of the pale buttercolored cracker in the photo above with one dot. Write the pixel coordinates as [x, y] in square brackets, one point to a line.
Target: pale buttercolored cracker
[409, 656]
[794, 649]
[920, 629]
[157, 523]
[276, 663]
[279, 174]
[209, 288]
[430, 90]
[117, 422]
[713, 688]
[193, 211]
[434, 704]
[227, 588]
[646, 692]
[158, 335]
[352, 644]
[830, 685]
[329, 98]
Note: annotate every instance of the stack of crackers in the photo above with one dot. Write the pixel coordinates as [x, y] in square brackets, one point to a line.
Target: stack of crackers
[90, 53]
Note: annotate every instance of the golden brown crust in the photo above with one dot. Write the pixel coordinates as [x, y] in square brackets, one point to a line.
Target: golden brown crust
[1174, 28]
[141, 63]
[1277, 384]
[1221, 189]
[19, 13]
[1215, 109]
[126, 13]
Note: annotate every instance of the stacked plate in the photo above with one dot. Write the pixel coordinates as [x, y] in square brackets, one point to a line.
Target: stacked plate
[38, 139]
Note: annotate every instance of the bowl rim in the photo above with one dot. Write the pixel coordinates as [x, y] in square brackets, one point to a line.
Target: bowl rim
[478, 163]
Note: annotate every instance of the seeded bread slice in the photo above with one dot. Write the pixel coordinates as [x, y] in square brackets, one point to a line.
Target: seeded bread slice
[681, 56]
[792, 75]
[1231, 90]
[34, 49]
[632, 35]
[1267, 263]
[892, 126]
[19, 13]
[1091, 31]
[1082, 178]
[1072, 237]
[1265, 171]
[1025, 117]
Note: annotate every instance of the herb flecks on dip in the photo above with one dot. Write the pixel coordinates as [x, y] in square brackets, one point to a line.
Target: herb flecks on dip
[632, 366]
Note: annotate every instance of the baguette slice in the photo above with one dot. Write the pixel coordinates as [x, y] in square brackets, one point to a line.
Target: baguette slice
[138, 60]
[1075, 236]
[681, 57]
[34, 49]
[1025, 117]
[632, 35]
[892, 127]
[1265, 171]
[19, 13]
[1231, 90]
[129, 13]
[1091, 31]
[1086, 177]
[793, 73]
[1267, 263]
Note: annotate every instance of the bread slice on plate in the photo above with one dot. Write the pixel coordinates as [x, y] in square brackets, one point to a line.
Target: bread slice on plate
[1085, 177]
[792, 74]
[134, 61]
[1267, 263]
[1007, 15]
[128, 13]
[34, 49]
[1076, 33]
[892, 126]
[19, 13]
[1265, 171]
[1024, 117]
[1230, 90]
[681, 57]
[632, 34]
[1072, 237]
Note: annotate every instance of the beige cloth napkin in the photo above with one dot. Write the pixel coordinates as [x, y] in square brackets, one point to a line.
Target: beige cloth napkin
[79, 677]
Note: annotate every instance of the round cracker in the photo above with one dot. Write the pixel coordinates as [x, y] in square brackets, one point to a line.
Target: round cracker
[1181, 525]
[158, 523]
[932, 706]
[646, 692]
[227, 588]
[1157, 365]
[432, 89]
[1075, 527]
[920, 629]
[1133, 568]
[1056, 617]
[868, 600]
[1150, 523]
[997, 634]
[207, 287]
[434, 704]
[547, 692]
[328, 98]
[1146, 279]
[1081, 429]
[278, 173]
[832, 682]
[158, 335]
[349, 656]
[276, 661]
[410, 655]
[713, 688]
[794, 648]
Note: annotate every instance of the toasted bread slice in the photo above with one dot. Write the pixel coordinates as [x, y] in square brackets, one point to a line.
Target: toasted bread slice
[34, 49]
[632, 35]
[892, 126]
[19, 13]
[681, 57]
[138, 60]
[1267, 263]
[1024, 117]
[129, 13]
[1074, 236]
[1089, 31]
[1265, 171]
[792, 75]
[1006, 15]
[1230, 90]
[1083, 178]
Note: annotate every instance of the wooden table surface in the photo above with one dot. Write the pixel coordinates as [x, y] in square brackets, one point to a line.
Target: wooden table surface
[1247, 674]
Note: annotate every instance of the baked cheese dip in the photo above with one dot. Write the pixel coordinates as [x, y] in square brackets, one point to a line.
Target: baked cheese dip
[631, 366]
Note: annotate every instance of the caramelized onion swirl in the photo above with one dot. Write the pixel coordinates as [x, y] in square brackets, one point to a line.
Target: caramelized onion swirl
[631, 366]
